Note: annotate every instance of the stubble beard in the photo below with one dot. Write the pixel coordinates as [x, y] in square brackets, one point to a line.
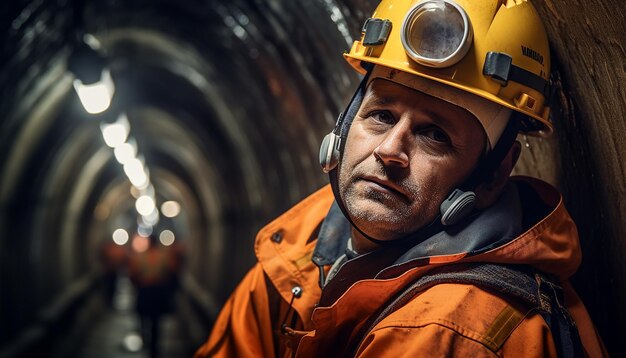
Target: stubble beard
[381, 215]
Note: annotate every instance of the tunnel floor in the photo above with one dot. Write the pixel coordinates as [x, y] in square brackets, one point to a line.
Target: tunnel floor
[117, 332]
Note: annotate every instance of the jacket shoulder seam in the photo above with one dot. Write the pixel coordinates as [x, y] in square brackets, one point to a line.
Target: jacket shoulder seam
[445, 324]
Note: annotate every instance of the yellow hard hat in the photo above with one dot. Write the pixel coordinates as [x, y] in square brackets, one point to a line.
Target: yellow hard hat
[495, 49]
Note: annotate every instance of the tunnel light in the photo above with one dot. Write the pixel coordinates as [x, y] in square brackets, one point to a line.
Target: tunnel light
[96, 97]
[170, 209]
[145, 205]
[133, 342]
[125, 152]
[152, 218]
[167, 237]
[136, 173]
[120, 236]
[115, 134]
[93, 82]
[144, 230]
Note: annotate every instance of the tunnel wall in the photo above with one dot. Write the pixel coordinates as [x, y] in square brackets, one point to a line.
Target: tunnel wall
[585, 159]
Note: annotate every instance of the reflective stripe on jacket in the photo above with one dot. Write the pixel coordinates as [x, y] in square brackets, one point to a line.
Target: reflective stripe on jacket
[447, 319]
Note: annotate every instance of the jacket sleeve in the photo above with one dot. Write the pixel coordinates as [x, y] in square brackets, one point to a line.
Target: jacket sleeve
[531, 338]
[243, 327]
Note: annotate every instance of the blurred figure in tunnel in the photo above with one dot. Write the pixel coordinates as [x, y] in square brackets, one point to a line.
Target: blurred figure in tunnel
[153, 268]
[422, 244]
[113, 258]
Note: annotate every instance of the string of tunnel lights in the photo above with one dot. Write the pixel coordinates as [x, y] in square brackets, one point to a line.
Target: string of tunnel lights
[95, 89]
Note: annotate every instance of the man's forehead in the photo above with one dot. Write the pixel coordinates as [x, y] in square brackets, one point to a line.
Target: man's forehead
[491, 116]
[386, 91]
[382, 92]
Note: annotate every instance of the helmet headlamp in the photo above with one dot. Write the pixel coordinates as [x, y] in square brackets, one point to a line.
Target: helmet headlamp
[436, 33]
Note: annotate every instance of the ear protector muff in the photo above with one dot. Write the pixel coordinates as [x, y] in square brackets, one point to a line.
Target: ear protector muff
[329, 149]
[457, 206]
[329, 152]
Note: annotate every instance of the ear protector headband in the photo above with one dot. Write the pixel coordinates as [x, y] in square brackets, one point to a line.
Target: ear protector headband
[332, 144]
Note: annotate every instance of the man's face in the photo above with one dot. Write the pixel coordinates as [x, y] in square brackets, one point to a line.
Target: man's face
[405, 153]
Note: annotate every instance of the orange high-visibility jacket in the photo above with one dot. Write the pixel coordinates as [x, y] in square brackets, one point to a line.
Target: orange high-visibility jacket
[447, 319]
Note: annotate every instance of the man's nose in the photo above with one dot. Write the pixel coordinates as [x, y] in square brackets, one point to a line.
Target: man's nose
[393, 150]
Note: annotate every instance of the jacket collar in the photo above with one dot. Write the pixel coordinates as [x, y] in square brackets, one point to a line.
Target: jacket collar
[333, 237]
[493, 227]
[500, 223]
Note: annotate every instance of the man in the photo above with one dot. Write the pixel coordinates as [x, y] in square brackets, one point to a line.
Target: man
[423, 245]
[153, 269]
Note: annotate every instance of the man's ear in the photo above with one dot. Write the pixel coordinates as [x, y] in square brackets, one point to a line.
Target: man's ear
[487, 193]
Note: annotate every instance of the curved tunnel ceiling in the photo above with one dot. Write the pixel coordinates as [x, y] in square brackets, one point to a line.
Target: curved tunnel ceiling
[226, 102]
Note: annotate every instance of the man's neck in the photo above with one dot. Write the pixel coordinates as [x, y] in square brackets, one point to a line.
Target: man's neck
[361, 244]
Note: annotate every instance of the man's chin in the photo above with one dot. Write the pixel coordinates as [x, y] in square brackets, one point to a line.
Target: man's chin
[384, 222]
[379, 220]
[373, 210]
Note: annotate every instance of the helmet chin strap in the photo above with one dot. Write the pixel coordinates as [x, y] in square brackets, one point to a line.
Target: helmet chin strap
[461, 201]
[434, 227]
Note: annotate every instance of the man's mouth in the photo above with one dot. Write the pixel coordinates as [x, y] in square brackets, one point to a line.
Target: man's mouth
[385, 186]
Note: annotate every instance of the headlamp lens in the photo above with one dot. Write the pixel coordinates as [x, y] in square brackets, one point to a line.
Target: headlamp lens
[436, 33]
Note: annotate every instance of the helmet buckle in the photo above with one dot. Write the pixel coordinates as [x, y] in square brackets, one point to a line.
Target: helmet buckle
[498, 66]
[376, 32]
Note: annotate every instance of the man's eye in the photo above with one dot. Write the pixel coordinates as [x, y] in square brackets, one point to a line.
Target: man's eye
[382, 117]
[437, 135]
